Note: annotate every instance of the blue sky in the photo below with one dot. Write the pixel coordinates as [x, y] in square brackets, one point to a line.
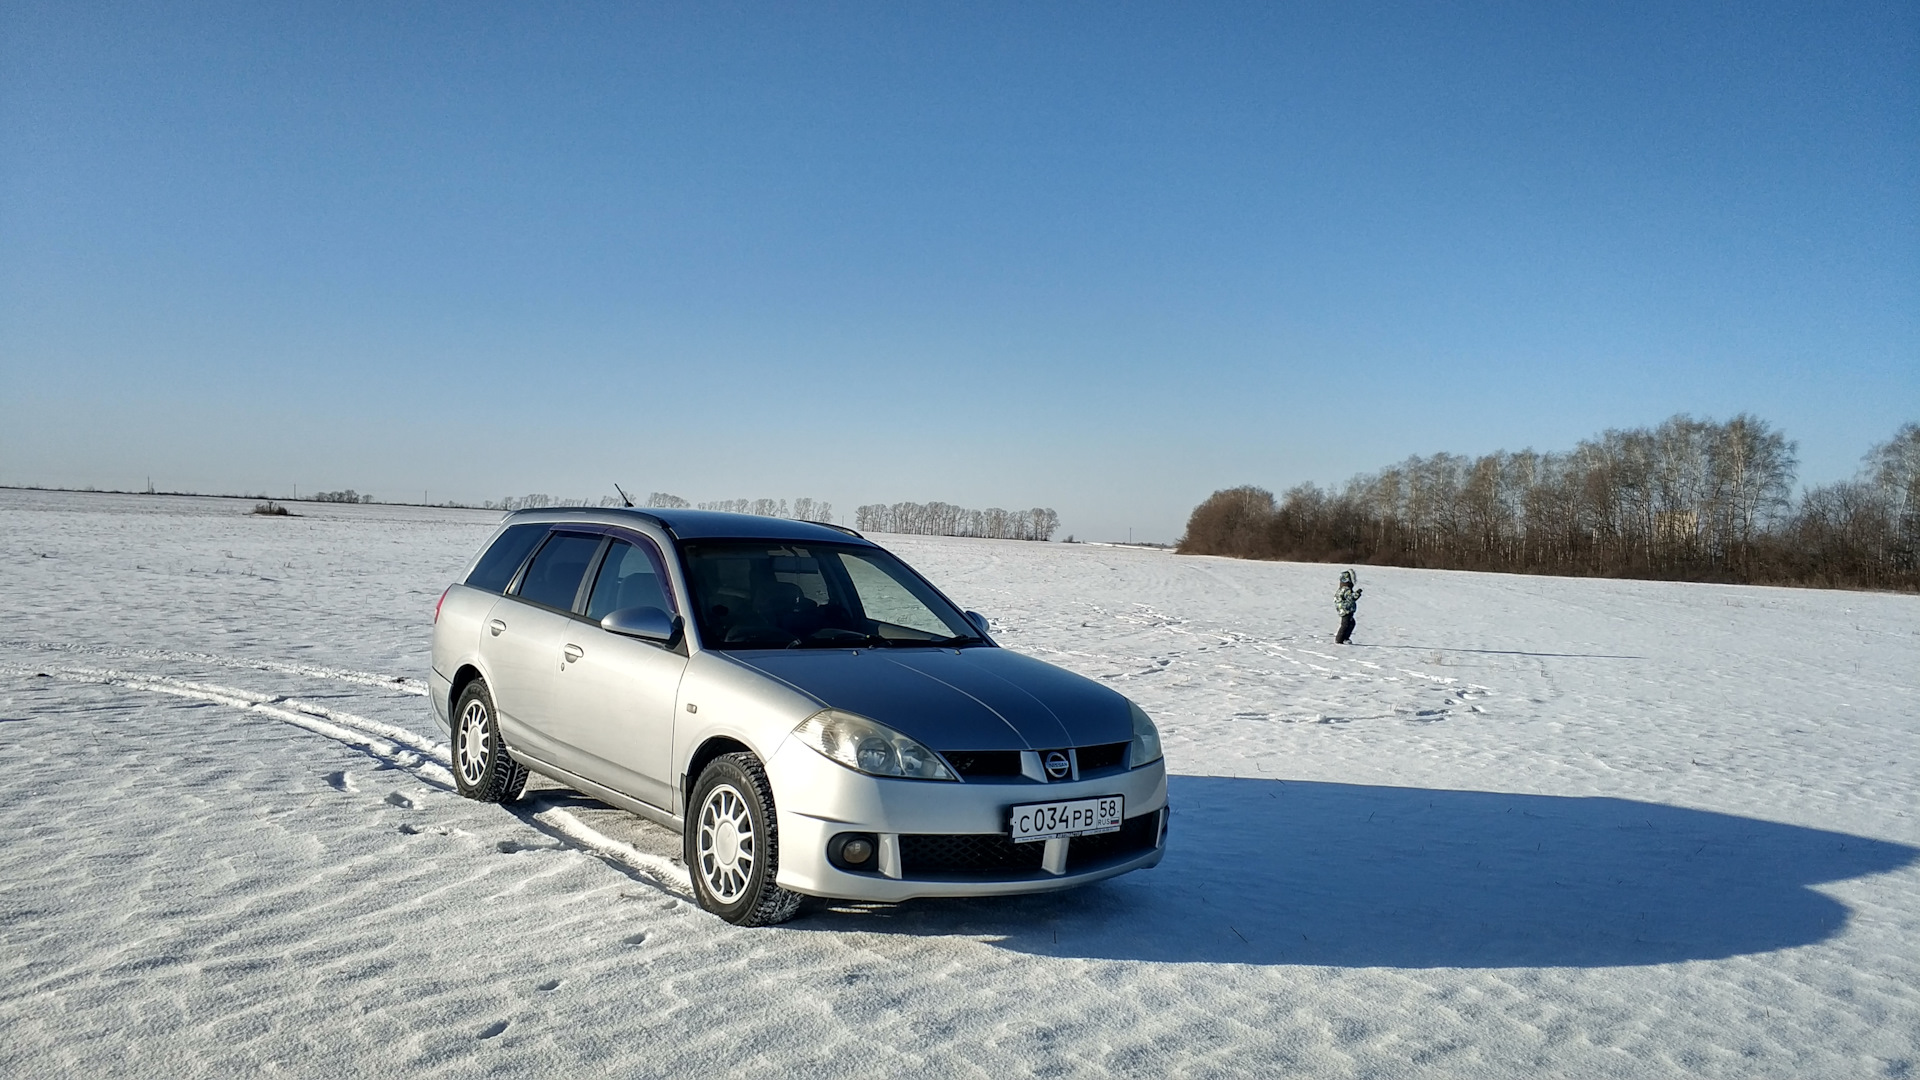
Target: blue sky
[1103, 257]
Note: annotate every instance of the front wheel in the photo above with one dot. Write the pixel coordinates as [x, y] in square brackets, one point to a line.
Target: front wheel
[482, 769]
[732, 850]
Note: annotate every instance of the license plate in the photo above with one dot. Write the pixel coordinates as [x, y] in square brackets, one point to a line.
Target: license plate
[1079, 817]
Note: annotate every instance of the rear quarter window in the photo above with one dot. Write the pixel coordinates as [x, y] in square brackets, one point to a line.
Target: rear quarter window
[495, 568]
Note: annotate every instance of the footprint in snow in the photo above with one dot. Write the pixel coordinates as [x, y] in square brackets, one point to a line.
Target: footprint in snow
[341, 781]
[549, 985]
[635, 939]
[403, 801]
[493, 1029]
[437, 830]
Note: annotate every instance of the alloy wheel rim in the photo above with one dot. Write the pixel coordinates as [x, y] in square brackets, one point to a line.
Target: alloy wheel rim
[474, 737]
[727, 848]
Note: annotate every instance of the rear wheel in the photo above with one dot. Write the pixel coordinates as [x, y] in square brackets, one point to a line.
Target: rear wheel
[482, 769]
[732, 850]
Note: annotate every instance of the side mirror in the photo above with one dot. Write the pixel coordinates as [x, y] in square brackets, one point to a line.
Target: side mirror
[645, 623]
[979, 622]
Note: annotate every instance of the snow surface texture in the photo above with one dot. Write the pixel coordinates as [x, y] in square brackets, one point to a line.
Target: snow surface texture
[1525, 826]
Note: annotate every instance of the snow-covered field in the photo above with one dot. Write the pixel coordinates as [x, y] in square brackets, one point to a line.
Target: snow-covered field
[1527, 826]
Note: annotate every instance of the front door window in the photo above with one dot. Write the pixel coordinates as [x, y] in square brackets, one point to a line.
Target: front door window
[629, 578]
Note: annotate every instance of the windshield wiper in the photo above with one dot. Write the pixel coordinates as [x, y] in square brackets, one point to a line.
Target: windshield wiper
[837, 638]
[876, 641]
[933, 643]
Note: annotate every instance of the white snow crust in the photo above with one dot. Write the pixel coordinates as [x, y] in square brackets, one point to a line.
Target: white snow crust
[1525, 826]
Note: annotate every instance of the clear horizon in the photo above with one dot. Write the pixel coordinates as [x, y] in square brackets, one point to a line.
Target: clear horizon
[1104, 259]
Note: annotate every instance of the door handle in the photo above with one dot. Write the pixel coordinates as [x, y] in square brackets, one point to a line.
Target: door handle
[573, 653]
[497, 627]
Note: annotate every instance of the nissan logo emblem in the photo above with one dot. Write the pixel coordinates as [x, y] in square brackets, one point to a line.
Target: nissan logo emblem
[1057, 765]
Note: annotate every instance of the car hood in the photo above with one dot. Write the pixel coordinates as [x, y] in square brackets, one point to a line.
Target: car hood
[956, 699]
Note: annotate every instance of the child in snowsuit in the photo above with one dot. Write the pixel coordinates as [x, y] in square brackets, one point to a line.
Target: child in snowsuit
[1346, 601]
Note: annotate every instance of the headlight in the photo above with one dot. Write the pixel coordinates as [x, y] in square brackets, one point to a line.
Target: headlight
[1146, 739]
[870, 747]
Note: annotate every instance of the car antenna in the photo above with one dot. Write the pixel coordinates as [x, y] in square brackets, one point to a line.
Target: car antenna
[623, 496]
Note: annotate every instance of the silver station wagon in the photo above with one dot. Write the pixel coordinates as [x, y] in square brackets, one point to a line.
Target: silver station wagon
[813, 716]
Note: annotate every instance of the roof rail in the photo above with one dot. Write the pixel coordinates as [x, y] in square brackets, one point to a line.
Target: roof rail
[651, 519]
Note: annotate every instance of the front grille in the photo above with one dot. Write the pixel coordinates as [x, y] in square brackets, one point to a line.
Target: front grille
[1136, 835]
[1005, 764]
[988, 855]
[973, 854]
[980, 764]
[1098, 759]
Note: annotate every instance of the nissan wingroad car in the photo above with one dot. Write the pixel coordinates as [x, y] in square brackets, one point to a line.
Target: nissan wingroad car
[811, 715]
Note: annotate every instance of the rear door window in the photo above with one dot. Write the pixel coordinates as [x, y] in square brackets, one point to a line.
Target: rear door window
[629, 578]
[553, 578]
[495, 569]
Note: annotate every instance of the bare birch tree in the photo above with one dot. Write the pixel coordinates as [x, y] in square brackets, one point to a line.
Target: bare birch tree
[1689, 498]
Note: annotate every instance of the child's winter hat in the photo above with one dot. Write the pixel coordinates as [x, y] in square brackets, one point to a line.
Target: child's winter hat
[1346, 577]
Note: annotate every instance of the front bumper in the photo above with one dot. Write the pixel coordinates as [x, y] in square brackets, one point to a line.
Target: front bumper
[817, 799]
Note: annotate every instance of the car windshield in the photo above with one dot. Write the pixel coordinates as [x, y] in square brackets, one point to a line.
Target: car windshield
[770, 595]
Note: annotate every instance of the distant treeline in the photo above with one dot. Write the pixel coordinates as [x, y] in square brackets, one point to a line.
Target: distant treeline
[539, 501]
[1689, 499]
[945, 519]
[804, 509]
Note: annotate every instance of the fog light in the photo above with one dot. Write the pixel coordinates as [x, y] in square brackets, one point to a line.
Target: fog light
[854, 851]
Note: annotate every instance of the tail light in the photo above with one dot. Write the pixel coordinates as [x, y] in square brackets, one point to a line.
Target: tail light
[437, 603]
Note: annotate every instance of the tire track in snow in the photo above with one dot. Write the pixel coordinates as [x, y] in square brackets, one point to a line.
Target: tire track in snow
[425, 758]
[420, 755]
[669, 874]
[398, 683]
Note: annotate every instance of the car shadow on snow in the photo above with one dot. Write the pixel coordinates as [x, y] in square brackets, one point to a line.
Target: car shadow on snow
[1345, 875]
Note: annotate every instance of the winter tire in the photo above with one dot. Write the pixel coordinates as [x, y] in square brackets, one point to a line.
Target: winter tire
[732, 849]
[482, 768]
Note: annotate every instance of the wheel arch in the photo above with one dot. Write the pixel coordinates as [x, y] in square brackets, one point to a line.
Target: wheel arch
[715, 746]
[461, 680]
